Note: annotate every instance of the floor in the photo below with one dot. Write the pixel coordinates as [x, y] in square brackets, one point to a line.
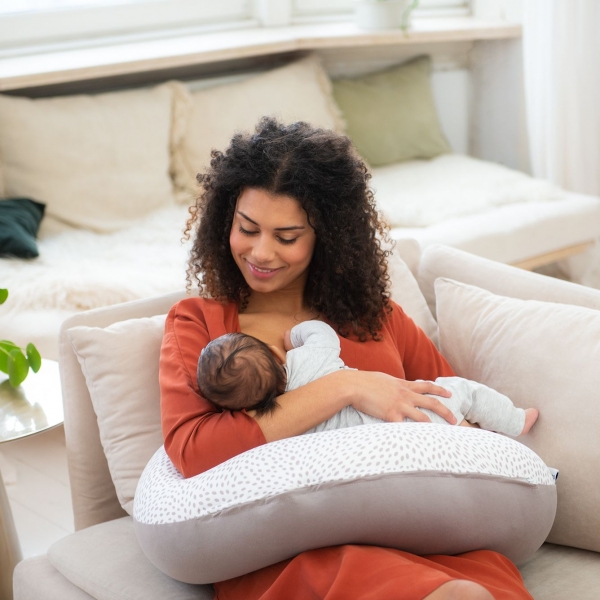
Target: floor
[37, 484]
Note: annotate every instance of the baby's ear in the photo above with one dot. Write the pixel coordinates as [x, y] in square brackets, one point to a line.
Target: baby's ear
[278, 354]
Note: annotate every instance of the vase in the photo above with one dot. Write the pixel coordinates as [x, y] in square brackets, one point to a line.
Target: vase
[375, 15]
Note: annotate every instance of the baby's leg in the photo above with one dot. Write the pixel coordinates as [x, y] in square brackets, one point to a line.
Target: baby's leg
[490, 409]
[453, 403]
[347, 417]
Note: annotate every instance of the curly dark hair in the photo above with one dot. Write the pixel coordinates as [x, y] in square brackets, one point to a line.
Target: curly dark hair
[347, 282]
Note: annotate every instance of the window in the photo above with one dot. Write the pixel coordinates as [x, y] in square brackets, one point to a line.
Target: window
[32, 24]
[28, 22]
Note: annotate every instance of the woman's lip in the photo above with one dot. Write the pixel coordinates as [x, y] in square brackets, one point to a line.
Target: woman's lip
[262, 274]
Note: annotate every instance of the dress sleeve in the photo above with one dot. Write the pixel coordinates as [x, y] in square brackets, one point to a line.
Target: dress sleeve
[420, 358]
[198, 435]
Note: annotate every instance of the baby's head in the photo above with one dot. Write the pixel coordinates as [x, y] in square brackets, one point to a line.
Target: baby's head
[238, 371]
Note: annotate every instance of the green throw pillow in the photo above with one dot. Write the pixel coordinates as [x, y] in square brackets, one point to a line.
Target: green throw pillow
[19, 223]
[391, 114]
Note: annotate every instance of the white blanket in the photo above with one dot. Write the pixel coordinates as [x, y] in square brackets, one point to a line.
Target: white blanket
[79, 269]
[419, 193]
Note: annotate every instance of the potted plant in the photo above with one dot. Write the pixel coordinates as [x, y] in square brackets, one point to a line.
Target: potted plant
[384, 14]
[14, 361]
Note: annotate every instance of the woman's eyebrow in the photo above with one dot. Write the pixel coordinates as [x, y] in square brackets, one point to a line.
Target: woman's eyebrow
[291, 228]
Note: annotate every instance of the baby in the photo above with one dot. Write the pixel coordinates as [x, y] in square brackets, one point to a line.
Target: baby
[237, 371]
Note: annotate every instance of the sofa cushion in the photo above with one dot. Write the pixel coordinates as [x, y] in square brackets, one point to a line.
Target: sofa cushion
[429, 488]
[36, 579]
[120, 365]
[443, 261]
[300, 91]
[391, 114]
[542, 355]
[421, 193]
[20, 220]
[97, 161]
[106, 562]
[562, 573]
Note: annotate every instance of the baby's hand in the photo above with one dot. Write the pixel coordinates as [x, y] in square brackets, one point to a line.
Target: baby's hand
[287, 340]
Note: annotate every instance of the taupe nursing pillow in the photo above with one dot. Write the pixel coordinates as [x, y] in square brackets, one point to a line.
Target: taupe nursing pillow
[421, 487]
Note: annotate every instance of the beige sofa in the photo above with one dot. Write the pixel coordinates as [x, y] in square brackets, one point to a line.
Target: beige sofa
[102, 559]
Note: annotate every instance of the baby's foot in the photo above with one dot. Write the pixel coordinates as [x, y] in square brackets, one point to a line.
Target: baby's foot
[531, 415]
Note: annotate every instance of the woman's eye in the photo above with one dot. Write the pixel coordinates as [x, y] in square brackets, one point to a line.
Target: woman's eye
[246, 232]
[284, 241]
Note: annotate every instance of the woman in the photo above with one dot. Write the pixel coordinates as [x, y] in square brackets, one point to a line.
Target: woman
[286, 230]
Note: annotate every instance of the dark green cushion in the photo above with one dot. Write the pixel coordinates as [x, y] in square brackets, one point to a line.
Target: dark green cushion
[391, 115]
[20, 220]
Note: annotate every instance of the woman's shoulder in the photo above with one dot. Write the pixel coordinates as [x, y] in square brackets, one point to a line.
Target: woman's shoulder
[203, 310]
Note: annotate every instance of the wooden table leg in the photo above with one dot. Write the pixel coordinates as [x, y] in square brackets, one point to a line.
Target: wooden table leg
[10, 549]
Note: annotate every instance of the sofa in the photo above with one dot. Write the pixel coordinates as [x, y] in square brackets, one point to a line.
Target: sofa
[116, 173]
[528, 335]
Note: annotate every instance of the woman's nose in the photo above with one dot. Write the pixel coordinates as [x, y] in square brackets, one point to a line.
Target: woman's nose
[263, 251]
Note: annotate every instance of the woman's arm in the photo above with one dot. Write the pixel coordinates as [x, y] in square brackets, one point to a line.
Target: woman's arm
[197, 435]
[377, 394]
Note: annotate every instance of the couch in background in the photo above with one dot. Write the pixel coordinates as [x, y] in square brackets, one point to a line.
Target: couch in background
[116, 172]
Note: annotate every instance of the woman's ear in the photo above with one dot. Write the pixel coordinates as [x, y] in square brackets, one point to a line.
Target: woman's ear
[278, 354]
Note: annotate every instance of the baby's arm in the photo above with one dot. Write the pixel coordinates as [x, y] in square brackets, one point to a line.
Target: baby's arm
[312, 333]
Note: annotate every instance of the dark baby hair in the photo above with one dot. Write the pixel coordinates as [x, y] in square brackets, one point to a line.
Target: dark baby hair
[238, 371]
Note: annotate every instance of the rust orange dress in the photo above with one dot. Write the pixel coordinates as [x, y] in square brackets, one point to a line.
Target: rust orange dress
[198, 436]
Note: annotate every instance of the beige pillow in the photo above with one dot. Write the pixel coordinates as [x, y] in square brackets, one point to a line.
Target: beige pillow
[97, 161]
[542, 355]
[120, 365]
[405, 291]
[300, 91]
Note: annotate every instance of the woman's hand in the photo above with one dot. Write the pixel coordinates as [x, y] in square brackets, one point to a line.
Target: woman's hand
[392, 399]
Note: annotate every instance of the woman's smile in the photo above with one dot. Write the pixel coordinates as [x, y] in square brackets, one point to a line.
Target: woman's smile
[262, 273]
[271, 241]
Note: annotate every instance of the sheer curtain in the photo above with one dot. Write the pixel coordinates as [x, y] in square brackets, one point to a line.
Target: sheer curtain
[561, 50]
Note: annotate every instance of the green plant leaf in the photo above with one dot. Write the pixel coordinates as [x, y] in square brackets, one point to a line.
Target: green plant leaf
[18, 367]
[34, 358]
[3, 295]
[5, 349]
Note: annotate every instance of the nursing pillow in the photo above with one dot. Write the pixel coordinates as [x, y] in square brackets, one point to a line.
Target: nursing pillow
[420, 487]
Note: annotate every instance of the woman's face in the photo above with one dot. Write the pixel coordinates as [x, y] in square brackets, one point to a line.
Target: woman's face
[271, 241]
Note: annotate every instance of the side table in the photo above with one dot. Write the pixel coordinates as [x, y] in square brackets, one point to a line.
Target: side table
[33, 407]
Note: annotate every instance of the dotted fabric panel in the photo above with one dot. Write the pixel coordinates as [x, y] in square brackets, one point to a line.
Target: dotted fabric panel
[298, 463]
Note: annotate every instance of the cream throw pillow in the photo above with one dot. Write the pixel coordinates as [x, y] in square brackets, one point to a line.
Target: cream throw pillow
[97, 161]
[300, 91]
[120, 365]
[542, 355]
[405, 291]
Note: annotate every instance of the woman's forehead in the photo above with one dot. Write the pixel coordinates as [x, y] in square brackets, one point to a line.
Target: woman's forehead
[270, 210]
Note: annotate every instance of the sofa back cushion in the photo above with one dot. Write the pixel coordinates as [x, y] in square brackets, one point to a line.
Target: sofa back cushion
[542, 355]
[97, 161]
[300, 91]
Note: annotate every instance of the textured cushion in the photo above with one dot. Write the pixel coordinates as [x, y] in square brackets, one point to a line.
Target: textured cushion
[429, 489]
[391, 115]
[106, 562]
[300, 91]
[19, 223]
[98, 161]
[541, 355]
[120, 365]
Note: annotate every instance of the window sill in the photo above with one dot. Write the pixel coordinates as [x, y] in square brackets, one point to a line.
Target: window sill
[124, 58]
